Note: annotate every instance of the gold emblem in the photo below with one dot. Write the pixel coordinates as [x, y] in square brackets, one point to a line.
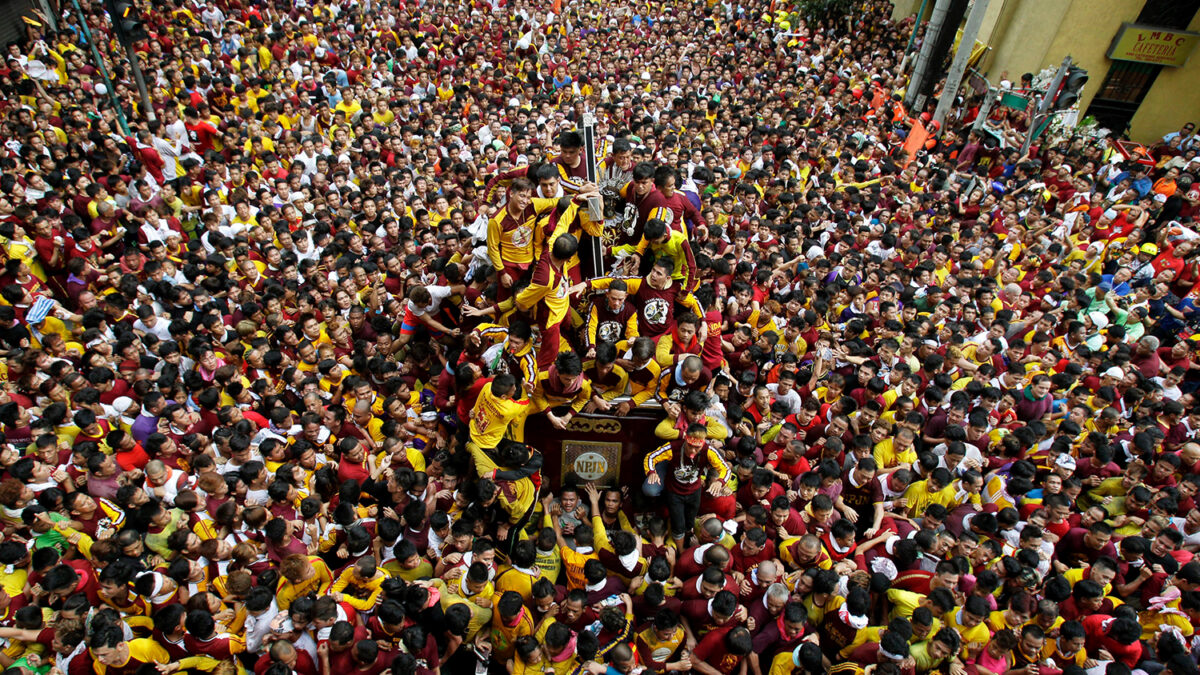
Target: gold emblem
[588, 425]
[591, 461]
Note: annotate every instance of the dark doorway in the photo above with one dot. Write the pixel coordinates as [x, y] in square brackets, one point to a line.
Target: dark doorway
[1122, 91]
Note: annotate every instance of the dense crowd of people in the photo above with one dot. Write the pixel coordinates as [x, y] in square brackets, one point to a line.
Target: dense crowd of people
[271, 352]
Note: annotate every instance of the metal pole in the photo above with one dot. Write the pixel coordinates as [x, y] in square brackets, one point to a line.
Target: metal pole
[966, 45]
[112, 93]
[594, 207]
[985, 108]
[1047, 103]
[912, 38]
[913, 98]
[136, 66]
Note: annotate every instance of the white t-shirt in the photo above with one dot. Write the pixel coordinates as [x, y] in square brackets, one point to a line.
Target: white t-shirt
[438, 293]
[791, 400]
[1188, 539]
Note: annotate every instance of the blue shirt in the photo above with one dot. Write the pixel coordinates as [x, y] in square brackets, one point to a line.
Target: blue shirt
[1121, 289]
[1142, 185]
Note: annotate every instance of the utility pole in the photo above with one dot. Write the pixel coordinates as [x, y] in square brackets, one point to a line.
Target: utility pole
[112, 93]
[136, 66]
[1038, 117]
[129, 29]
[985, 108]
[914, 99]
[966, 45]
[912, 38]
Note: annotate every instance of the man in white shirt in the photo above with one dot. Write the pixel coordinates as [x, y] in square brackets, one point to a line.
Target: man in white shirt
[308, 156]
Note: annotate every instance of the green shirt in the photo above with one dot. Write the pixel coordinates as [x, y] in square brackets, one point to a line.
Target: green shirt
[920, 653]
[51, 538]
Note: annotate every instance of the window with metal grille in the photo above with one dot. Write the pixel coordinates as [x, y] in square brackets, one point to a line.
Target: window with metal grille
[1128, 81]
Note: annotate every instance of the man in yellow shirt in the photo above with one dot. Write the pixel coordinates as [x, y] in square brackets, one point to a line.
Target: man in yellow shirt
[493, 412]
[472, 588]
[512, 620]
[513, 240]
[547, 296]
[302, 575]
[896, 452]
[558, 645]
[109, 649]
[968, 620]
[348, 105]
[521, 572]
[360, 585]
[573, 558]
[664, 241]
[381, 114]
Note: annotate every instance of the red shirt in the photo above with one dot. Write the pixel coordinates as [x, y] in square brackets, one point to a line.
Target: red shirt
[348, 471]
[792, 469]
[219, 646]
[1170, 362]
[202, 135]
[712, 650]
[1167, 260]
[134, 458]
[304, 663]
[45, 250]
[1093, 625]
[343, 661]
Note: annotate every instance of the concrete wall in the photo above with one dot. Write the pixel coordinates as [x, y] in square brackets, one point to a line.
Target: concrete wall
[1085, 34]
[1021, 36]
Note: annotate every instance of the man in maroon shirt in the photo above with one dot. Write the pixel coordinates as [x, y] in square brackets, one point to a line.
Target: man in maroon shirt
[572, 170]
[51, 244]
[202, 637]
[862, 498]
[721, 651]
[1084, 545]
[284, 652]
[339, 648]
[753, 549]
[682, 209]
[1175, 356]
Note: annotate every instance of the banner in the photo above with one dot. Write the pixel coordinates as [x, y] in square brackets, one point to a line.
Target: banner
[1149, 44]
[915, 140]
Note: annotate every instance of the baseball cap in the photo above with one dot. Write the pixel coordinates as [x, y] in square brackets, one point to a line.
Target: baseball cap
[1114, 372]
[1149, 248]
[1065, 461]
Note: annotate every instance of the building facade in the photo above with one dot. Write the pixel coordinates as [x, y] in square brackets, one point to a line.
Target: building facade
[1141, 55]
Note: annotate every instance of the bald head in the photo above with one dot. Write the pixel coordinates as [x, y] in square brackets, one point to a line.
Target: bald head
[713, 528]
[282, 650]
[768, 571]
